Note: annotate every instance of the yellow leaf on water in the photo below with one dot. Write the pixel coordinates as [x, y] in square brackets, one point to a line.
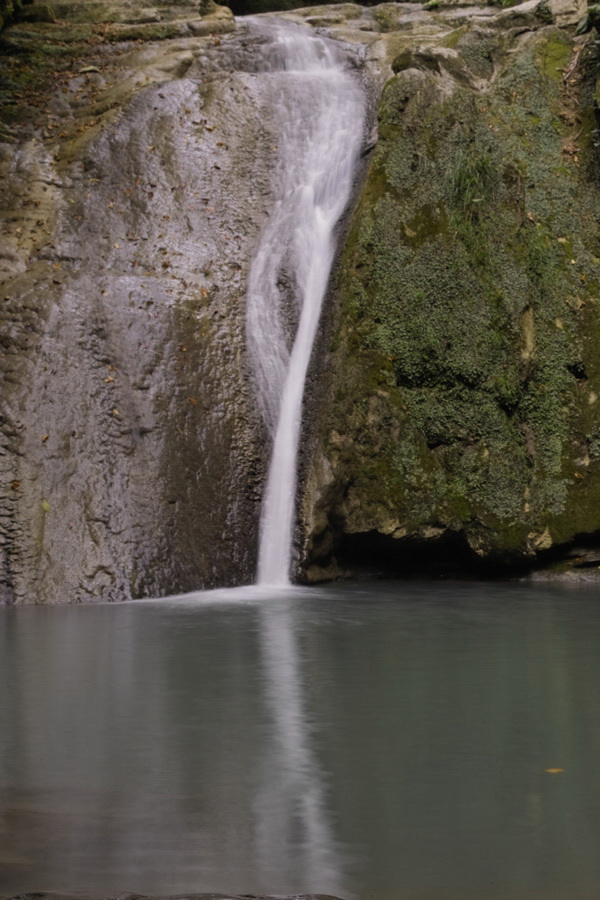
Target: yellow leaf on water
[554, 771]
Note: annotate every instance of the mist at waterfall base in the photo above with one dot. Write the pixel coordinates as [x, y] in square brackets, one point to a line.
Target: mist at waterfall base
[370, 741]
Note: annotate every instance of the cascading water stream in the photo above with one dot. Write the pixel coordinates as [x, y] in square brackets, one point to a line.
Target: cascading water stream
[321, 115]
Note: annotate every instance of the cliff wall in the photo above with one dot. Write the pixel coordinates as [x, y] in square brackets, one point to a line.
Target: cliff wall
[130, 449]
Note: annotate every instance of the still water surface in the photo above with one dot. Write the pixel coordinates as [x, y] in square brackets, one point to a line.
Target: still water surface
[370, 741]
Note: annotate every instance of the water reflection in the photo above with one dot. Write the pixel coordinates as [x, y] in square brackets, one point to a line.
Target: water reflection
[294, 834]
[386, 742]
[151, 748]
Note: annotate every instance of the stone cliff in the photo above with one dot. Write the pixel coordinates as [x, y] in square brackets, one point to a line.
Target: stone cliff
[131, 456]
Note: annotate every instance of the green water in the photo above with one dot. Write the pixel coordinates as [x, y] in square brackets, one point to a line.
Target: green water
[370, 741]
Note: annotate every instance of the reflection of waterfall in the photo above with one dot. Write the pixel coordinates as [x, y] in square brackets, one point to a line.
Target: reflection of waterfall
[174, 754]
[321, 113]
[294, 835]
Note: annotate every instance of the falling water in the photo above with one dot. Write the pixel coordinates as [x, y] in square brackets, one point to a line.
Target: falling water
[321, 118]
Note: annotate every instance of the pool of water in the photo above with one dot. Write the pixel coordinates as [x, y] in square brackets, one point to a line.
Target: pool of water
[385, 741]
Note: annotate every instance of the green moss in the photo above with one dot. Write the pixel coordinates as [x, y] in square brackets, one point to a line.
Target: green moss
[475, 181]
[32, 32]
[468, 280]
[87, 13]
[386, 18]
[451, 40]
[554, 56]
[159, 32]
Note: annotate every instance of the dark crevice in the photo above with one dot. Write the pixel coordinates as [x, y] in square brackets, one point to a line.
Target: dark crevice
[577, 370]
[374, 555]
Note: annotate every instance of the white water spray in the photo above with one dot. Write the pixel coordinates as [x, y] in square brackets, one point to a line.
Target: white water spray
[321, 114]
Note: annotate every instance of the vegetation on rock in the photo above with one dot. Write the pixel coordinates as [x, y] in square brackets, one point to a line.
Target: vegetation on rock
[466, 387]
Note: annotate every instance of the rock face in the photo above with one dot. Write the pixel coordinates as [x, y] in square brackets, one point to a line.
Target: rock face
[463, 417]
[131, 452]
[462, 410]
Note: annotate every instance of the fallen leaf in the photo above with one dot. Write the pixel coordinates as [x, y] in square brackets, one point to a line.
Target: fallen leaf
[45, 438]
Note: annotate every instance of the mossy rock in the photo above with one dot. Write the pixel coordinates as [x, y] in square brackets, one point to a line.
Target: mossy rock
[404, 60]
[38, 12]
[466, 381]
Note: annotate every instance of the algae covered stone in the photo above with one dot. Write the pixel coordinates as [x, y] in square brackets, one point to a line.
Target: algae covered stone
[466, 375]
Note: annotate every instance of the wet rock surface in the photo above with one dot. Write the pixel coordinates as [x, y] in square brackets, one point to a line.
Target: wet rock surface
[131, 450]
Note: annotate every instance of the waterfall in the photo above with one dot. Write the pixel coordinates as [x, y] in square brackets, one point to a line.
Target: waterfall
[320, 112]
